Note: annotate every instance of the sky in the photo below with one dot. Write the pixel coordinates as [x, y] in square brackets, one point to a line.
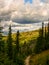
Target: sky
[29, 1]
[23, 11]
[16, 10]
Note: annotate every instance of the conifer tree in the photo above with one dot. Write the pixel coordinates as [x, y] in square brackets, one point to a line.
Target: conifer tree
[48, 33]
[0, 37]
[16, 49]
[9, 41]
[40, 41]
[1, 45]
[47, 38]
[1, 41]
[45, 33]
[17, 41]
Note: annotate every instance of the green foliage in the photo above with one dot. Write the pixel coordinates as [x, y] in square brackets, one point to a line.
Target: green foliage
[40, 59]
[47, 60]
[40, 41]
[17, 41]
[43, 40]
[9, 41]
[19, 60]
[47, 38]
[1, 40]
[18, 46]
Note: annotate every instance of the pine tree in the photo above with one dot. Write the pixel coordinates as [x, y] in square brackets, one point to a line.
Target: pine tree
[40, 41]
[16, 49]
[17, 41]
[45, 33]
[9, 41]
[1, 41]
[2, 50]
[45, 38]
[48, 34]
[0, 38]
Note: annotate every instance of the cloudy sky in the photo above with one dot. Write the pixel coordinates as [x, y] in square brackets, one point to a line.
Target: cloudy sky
[24, 11]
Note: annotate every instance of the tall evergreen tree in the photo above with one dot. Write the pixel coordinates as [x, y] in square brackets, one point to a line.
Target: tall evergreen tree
[42, 32]
[47, 39]
[1, 41]
[9, 41]
[17, 41]
[48, 33]
[2, 50]
[40, 41]
[16, 49]
[45, 33]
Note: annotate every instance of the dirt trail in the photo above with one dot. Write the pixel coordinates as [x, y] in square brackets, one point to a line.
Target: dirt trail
[27, 60]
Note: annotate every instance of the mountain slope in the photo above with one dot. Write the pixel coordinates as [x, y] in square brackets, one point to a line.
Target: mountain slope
[25, 36]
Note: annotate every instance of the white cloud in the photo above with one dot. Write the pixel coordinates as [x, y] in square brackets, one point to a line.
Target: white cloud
[36, 2]
[47, 1]
[14, 9]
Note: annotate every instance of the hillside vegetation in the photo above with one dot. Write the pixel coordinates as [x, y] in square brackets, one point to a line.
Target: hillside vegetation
[25, 36]
[16, 47]
[40, 59]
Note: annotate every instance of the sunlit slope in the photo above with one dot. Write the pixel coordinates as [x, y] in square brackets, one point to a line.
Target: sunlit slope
[25, 36]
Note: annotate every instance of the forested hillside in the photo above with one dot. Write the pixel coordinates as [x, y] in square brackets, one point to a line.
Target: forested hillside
[14, 48]
[24, 36]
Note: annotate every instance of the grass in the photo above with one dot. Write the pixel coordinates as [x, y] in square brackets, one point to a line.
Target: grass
[39, 59]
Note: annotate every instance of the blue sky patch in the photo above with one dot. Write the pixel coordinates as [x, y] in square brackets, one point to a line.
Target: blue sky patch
[28, 1]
